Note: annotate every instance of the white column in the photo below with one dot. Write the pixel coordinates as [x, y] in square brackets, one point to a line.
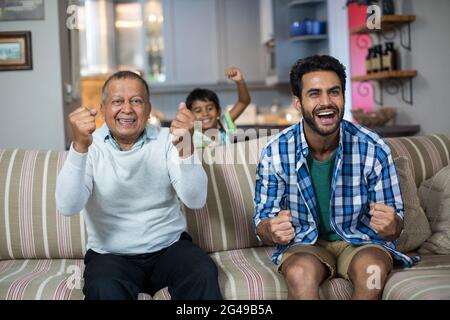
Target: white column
[100, 47]
[339, 41]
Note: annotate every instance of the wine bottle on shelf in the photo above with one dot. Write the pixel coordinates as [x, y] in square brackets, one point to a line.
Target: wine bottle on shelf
[388, 7]
[387, 65]
[376, 60]
[390, 57]
[369, 68]
[380, 57]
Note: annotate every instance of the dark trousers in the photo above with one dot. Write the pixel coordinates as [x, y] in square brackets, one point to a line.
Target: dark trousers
[184, 268]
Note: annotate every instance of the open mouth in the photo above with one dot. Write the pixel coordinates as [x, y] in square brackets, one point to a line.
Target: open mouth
[206, 121]
[126, 123]
[326, 117]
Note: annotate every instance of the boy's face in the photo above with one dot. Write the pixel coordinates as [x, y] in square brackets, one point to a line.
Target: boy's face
[206, 112]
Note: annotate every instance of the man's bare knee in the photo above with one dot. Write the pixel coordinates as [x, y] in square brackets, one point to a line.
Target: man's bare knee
[368, 271]
[304, 269]
[369, 261]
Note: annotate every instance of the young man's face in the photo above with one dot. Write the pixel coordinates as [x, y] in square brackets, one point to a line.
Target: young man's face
[206, 112]
[126, 109]
[322, 103]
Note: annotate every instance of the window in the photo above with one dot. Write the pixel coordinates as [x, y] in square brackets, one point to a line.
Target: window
[154, 40]
[123, 35]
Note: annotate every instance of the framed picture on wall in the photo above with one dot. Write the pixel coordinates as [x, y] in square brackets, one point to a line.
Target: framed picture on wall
[15, 51]
[21, 10]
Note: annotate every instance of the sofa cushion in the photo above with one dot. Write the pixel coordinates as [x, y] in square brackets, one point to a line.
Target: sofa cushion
[428, 154]
[250, 274]
[416, 228]
[427, 280]
[44, 279]
[435, 197]
[225, 222]
[30, 225]
[47, 279]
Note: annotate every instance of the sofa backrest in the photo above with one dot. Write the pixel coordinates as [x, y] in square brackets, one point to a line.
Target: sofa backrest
[225, 222]
[31, 226]
[428, 154]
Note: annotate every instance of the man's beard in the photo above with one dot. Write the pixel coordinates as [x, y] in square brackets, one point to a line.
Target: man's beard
[309, 118]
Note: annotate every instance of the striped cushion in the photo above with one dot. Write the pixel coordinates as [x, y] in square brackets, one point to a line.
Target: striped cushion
[250, 274]
[434, 193]
[416, 228]
[429, 154]
[30, 225]
[429, 279]
[47, 279]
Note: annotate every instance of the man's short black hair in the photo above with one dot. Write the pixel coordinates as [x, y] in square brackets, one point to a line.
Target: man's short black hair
[311, 64]
[202, 95]
[125, 75]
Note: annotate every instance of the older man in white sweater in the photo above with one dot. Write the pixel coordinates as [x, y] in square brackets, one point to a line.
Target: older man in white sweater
[128, 179]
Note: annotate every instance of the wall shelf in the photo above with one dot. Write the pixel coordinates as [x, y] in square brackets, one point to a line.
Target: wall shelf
[391, 23]
[384, 75]
[314, 37]
[387, 23]
[396, 80]
[397, 130]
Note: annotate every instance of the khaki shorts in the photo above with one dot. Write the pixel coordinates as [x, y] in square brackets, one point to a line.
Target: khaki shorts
[336, 255]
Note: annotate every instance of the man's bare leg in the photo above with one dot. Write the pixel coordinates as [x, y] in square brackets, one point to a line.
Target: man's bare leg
[304, 273]
[369, 262]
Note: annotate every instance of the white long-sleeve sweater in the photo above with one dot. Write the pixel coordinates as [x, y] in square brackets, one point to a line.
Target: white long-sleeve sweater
[131, 198]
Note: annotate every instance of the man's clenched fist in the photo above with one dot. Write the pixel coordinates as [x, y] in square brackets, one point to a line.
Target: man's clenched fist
[277, 230]
[182, 129]
[385, 221]
[82, 122]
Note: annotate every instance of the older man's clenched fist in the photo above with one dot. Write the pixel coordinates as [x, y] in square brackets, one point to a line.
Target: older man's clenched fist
[82, 122]
[182, 129]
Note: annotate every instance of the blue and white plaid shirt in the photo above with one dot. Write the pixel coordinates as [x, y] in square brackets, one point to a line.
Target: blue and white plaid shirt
[364, 173]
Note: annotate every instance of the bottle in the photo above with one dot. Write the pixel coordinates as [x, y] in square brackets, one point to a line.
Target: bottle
[387, 65]
[388, 7]
[369, 61]
[376, 60]
[390, 61]
[380, 57]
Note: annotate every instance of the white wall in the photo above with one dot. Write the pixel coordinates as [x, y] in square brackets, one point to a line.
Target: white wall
[429, 56]
[31, 102]
[339, 42]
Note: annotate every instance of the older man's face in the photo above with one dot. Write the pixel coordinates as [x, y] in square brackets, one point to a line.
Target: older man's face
[126, 109]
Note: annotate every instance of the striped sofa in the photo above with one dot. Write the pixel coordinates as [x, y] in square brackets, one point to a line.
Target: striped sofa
[41, 251]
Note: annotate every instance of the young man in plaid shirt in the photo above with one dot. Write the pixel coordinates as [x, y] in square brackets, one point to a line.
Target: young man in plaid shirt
[327, 192]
